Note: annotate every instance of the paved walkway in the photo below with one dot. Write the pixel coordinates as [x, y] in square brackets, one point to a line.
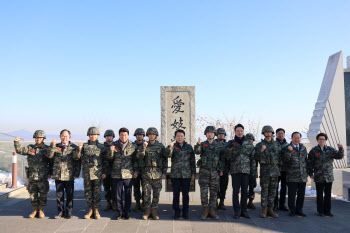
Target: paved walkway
[14, 212]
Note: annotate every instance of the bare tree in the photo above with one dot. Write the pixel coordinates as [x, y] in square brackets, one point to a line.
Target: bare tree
[228, 124]
[95, 121]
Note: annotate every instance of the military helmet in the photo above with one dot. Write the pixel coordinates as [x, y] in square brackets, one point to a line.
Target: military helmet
[39, 134]
[109, 132]
[250, 136]
[152, 130]
[93, 130]
[267, 128]
[139, 131]
[221, 130]
[209, 129]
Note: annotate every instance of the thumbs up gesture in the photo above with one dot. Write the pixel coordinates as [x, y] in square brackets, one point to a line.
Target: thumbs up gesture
[290, 148]
[200, 139]
[145, 144]
[112, 148]
[263, 148]
[340, 145]
[54, 141]
[171, 145]
[80, 145]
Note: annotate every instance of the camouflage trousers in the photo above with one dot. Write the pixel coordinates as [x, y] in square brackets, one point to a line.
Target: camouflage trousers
[137, 182]
[268, 190]
[223, 186]
[209, 182]
[92, 191]
[252, 186]
[147, 186]
[38, 190]
[108, 188]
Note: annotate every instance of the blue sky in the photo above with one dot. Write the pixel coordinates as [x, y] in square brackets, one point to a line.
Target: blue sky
[65, 63]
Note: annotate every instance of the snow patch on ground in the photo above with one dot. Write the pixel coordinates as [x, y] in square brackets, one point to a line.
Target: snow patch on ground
[6, 177]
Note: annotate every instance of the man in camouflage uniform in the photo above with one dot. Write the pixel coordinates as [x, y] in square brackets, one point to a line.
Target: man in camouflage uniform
[38, 171]
[91, 154]
[268, 154]
[155, 165]
[123, 155]
[280, 204]
[137, 182]
[252, 176]
[107, 170]
[211, 168]
[240, 153]
[221, 134]
[320, 168]
[65, 170]
[183, 171]
[295, 160]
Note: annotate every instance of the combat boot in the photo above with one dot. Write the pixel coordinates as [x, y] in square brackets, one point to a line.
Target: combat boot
[97, 214]
[204, 213]
[251, 204]
[263, 212]
[271, 212]
[108, 206]
[35, 211]
[212, 213]
[222, 205]
[41, 212]
[137, 205]
[88, 215]
[146, 214]
[154, 214]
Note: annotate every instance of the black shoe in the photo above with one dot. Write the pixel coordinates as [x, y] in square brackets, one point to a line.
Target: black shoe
[119, 216]
[177, 214]
[328, 215]
[69, 215]
[301, 214]
[320, 214]
[59, 215]
[236, 216]
[185, 215]
[126, 216]
[292, 214]
[245, 215]
[283, 208]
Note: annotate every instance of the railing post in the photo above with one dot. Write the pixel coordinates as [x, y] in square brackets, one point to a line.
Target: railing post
[14, 170]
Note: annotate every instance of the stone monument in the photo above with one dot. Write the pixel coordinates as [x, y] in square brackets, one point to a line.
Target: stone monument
[178, 111]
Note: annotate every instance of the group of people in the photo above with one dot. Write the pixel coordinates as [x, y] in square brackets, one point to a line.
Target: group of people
[119, 165]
